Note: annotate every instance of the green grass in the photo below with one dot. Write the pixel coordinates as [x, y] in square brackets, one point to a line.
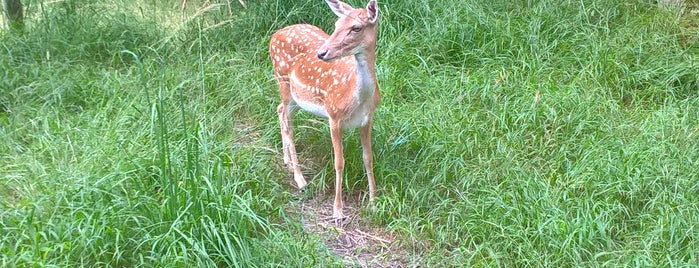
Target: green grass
[133, 135]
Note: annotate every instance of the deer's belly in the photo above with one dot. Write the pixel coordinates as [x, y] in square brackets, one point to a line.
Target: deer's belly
[314, 108]
[357, 114]
[357, 118]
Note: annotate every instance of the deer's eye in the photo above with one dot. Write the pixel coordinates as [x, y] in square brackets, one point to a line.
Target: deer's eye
[356, 29]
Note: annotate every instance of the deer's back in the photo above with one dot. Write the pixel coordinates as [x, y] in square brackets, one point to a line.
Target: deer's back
[292, 41]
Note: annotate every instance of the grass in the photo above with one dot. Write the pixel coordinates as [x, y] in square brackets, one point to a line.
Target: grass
[511, 133]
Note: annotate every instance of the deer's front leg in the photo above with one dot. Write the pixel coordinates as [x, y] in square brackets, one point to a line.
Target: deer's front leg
[368, 156]
[336, 137]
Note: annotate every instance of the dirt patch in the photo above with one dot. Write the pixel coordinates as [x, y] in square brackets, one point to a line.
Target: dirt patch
[357, 242]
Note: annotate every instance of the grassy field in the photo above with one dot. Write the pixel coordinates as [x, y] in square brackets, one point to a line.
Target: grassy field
[511, 133]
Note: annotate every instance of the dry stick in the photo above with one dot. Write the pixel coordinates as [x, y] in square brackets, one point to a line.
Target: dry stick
[373, 237]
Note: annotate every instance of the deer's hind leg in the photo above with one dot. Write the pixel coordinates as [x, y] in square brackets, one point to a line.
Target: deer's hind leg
[285, 111]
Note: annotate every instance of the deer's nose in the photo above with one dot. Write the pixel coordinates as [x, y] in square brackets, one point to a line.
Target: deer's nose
[322, 54]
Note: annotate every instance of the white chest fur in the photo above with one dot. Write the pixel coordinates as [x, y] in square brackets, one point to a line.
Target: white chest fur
[364, 95]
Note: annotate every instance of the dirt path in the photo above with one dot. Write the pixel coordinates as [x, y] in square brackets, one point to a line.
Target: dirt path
[356, 242]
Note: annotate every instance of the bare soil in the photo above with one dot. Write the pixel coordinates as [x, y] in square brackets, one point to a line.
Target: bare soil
[357, 242]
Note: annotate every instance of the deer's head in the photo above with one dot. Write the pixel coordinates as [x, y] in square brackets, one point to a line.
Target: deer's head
[355, 30]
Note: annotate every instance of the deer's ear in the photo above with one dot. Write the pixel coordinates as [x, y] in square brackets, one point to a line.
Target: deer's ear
[339, 8]
[372, 11]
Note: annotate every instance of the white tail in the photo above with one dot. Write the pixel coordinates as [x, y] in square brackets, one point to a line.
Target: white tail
[315, 72]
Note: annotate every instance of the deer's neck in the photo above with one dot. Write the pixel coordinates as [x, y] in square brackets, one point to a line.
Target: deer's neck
[366, 72]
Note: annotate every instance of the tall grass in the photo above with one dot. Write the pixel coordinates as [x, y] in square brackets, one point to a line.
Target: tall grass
[511, 133]
[122, 149]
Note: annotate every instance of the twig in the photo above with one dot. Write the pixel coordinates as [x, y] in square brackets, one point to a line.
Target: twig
[373, 237]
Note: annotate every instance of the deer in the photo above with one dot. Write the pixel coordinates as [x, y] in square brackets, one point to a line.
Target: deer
[331, 76]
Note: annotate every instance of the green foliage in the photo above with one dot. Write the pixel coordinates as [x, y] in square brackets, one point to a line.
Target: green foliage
[511, 133]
